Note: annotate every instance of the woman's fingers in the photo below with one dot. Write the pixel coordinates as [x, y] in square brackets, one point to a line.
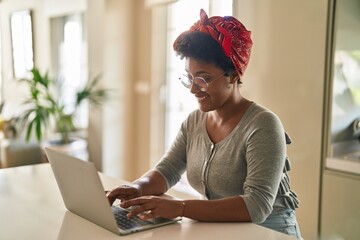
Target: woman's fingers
[143, 205]
[153, 206]
[123, 192]
[147, 215]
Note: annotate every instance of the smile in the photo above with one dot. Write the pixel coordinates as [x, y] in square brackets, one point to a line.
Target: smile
[201, 98]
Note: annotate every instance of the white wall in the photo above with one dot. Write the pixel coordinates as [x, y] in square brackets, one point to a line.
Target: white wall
[286, 74]
[119, 47]
[118, 57]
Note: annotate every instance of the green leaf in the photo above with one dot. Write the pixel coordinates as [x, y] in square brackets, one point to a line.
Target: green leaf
[38, 128]
[28, 132]
[95, 97]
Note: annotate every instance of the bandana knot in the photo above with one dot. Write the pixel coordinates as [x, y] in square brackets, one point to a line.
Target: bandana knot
[232, 36]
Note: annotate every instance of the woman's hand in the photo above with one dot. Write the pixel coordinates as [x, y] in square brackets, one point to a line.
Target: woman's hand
[152, 206]
[123, 193]
[151, 183]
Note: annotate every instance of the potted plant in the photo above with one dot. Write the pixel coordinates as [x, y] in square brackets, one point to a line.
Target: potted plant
[44, 106]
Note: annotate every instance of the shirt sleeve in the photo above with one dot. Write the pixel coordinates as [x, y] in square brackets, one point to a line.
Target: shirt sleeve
[265, 156]
[173, 163]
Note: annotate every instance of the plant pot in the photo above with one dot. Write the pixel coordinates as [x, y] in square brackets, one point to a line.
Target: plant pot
[77, 147]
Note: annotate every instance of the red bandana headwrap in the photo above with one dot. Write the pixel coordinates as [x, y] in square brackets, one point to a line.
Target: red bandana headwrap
[232, 36]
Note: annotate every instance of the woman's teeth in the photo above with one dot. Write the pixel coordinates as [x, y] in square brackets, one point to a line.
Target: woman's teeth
[201, 98]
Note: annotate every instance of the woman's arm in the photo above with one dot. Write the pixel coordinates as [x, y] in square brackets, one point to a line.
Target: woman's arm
[151, 183]
[232, 209]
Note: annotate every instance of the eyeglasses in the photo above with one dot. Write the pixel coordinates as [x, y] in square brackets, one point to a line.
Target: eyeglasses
[199, 82]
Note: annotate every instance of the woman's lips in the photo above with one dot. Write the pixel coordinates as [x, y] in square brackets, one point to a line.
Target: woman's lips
[201, 98]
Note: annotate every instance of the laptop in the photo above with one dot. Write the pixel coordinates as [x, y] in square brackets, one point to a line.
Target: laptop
[84, 195]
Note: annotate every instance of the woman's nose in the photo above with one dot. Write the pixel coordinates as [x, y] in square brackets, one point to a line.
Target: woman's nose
[194, 88]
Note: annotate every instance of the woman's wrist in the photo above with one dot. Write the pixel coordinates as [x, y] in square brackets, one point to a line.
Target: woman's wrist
[137, 186]
[183, 205]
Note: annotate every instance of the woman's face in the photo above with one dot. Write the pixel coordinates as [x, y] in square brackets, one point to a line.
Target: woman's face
[219, 88]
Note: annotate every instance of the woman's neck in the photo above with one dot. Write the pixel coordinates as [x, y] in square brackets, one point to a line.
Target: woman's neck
[233, 110]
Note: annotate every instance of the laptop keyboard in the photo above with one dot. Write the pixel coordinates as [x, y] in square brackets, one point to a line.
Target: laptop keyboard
[126, 223]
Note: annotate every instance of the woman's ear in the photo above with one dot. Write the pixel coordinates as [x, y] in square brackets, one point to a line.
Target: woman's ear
[234, 77]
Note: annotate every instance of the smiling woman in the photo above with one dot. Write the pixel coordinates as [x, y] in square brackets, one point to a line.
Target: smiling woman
[232, 149]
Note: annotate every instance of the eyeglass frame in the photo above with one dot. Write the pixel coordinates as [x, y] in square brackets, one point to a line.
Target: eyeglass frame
[192, 81]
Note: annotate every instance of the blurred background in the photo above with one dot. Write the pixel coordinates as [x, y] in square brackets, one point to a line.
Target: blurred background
[305, 67]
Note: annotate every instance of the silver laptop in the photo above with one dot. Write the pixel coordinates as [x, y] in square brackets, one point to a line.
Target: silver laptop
[84, 195]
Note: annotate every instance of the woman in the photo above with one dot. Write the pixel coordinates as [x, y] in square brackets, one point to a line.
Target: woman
[232, 149]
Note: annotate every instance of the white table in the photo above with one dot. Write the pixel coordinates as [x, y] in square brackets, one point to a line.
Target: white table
[31, 207]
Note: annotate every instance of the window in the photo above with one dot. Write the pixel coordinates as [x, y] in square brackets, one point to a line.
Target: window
[22, 43]
[69, 60]
[179, 101]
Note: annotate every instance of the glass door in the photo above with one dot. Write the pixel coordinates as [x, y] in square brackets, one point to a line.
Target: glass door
[344, 97]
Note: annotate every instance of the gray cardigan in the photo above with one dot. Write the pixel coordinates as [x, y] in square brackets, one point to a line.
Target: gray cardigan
[250, 162]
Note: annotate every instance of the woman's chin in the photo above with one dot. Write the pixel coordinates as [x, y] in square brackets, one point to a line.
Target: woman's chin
[204, 108]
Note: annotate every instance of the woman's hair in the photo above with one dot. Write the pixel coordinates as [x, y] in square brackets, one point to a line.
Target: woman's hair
[203, 47]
